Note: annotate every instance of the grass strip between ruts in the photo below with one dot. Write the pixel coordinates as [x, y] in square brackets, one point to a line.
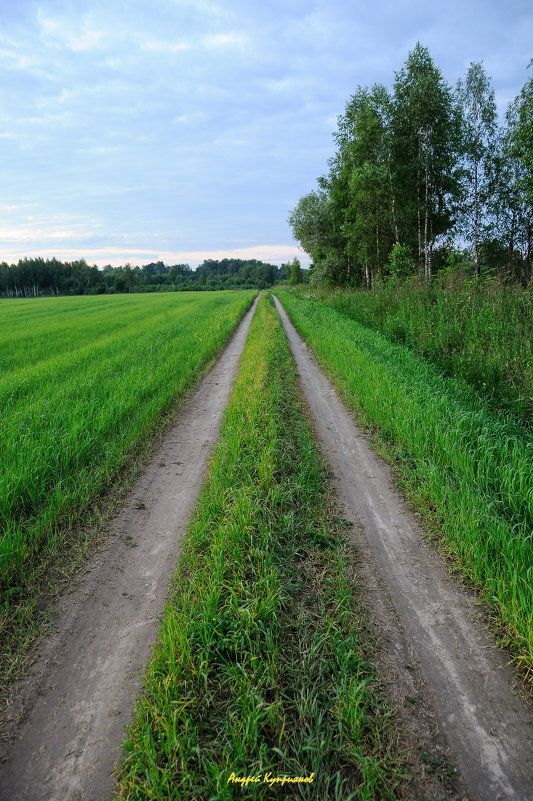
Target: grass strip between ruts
[466, 468]
[261, 666]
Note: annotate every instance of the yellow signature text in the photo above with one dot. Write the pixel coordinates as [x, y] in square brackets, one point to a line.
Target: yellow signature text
[267, 778]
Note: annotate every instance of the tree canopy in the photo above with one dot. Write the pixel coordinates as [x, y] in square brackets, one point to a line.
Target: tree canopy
[420, 174]
[38, 276]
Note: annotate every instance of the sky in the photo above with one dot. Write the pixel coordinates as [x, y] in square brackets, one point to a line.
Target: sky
[179, 130]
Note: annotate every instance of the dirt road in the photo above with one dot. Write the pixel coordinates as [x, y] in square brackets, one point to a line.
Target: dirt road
[80, 693]
[428, 622]
[67, 719]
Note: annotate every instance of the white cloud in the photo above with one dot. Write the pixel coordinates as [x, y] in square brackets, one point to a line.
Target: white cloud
[223, 39]
[119, 255]
[164, 124]
[275, 254]
[14, 60]
[33, 232]
[71, 33]
[164, 47]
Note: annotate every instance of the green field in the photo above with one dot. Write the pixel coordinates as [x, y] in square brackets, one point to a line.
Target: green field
[262, 665]
[84, 381]
[264, 660]
[467, 468]
[478, 330]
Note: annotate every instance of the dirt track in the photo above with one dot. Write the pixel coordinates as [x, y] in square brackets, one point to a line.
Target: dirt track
[429, 624]
[440, 660]
[81, 691]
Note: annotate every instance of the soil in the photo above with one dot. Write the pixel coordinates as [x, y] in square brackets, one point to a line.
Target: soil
[460, 702]
[64, 723]
[469, 731]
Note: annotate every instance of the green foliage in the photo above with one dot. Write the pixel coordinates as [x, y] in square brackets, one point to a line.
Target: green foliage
[313, 224]
[260, 666]
[478, 106]
[37, 276]
[295, 272]
[400, 262]
[478, 330]
[426, 141]
[522, 137]
[360, 182]
[467, 468]
[84, 381]
[422, 167]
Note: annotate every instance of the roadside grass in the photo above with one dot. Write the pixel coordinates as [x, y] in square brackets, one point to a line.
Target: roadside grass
[468, 469]
[479, 329]
[86, 384]
[261, 668]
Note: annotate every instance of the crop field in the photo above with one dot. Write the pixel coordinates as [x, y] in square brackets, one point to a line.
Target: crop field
[83, 382]
[466, 467]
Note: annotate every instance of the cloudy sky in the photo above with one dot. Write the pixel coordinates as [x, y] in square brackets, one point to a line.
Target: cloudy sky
[137, 130]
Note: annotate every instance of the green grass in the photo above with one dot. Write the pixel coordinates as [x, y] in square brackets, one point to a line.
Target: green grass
[466, 467]
[261, 664]
[85, 381]
[480, 330]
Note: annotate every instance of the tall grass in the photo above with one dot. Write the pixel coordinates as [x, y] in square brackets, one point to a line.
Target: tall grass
[471, 466]
[84, 381]
[478, 329]
[260, 668]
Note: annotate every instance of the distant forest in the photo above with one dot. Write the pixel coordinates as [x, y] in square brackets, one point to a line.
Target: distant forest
[424, 178]
[32, 277]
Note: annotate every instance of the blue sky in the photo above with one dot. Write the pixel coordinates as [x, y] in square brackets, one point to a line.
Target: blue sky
[188, 129]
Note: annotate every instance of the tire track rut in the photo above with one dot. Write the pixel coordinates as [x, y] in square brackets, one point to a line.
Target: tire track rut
[66, 720]
[487, 726]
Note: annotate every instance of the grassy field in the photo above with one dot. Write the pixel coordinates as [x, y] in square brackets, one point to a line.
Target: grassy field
[84, 381]
[261, 669]
[479, 330]
[466, 467]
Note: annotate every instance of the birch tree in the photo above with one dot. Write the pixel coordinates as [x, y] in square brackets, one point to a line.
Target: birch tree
[360, 181]
[476, 97]
[512, 193]
[426, 148]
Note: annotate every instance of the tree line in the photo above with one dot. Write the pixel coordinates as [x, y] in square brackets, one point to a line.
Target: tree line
[37, 276]
[423, 178]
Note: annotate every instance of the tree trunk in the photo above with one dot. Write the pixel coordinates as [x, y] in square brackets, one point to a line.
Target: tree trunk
[393, 201]
[526, 268]
[368, 276]
[419, 220]
[427, 262]
[476, 214]
[511, 241]
[430, 257]
[377, 248]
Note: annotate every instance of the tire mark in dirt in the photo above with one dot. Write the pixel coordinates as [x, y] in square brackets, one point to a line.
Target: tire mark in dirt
[488, 727]
[65, 722]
